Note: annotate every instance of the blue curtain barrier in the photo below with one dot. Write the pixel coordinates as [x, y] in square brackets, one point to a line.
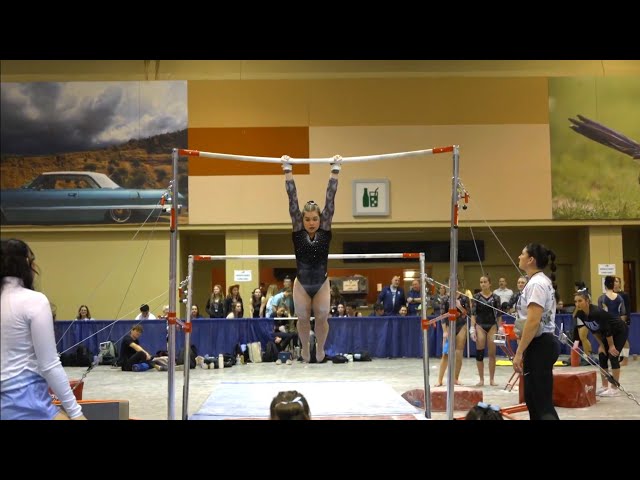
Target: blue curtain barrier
[382, 337]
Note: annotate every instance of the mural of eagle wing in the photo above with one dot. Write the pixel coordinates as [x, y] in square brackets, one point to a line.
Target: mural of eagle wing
[604, 135]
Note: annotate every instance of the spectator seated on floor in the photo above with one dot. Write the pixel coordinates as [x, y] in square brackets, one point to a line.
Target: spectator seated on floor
[282, 331]
[132, 354]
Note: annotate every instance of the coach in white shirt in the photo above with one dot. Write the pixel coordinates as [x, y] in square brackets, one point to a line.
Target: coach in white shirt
[30, 363]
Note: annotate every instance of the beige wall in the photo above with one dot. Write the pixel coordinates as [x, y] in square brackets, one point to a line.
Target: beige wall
[583, 265]
[497, 163]
[501, 125]
[368, 101]
[204, 243]
[605, 246]
[242, 243]
[99, 269]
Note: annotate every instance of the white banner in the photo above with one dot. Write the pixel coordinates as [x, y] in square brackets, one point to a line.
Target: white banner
[242, 275]
[606, 269]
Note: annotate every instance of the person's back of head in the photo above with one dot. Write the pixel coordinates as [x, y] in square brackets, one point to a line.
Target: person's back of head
[484, 411]
[290, 405]
[609, 282]
[18, 261]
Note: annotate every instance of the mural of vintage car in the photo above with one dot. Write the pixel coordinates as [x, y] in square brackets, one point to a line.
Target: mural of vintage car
[79, 197]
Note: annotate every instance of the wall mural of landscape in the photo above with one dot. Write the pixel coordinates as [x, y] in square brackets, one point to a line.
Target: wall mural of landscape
[90, 152]
[595, 150]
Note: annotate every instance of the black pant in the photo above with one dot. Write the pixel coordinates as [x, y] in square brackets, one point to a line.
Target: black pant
[286, 339]
[538, 361]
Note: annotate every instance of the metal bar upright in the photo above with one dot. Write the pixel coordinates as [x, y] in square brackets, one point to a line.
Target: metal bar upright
[425, 340]
[187, 345]
[173, 256]
[453, 280]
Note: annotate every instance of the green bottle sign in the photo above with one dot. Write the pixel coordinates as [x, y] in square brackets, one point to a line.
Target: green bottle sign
[365, 198]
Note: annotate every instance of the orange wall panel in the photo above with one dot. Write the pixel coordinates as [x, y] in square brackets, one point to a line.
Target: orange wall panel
[256, 141]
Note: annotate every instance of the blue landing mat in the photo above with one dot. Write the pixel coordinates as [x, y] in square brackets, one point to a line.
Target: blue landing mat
[326, 399]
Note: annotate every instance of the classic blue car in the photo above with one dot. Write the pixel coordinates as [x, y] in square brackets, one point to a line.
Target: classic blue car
[79, 197]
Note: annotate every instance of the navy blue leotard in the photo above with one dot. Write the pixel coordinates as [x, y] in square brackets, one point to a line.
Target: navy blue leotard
[311, 255]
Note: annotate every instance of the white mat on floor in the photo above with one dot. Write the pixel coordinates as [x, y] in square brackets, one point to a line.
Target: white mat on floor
[326, 399]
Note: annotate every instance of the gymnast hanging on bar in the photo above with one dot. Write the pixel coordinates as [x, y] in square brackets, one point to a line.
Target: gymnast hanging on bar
[311, 238]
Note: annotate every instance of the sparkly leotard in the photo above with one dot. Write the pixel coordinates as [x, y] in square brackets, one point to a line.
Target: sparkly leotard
[311, 255]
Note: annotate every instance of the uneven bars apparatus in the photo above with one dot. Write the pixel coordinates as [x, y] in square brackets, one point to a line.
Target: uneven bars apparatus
[173, 239]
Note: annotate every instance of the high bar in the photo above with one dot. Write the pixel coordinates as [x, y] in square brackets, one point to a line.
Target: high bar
[365, 158]
[333, 256]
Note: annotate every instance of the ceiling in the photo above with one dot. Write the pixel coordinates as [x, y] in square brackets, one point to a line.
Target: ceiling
[103, 70]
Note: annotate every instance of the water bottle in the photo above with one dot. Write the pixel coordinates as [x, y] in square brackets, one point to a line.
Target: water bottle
[221, 361]
[238, 361]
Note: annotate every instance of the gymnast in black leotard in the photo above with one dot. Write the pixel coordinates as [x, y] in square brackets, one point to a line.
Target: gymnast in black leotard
[311, 238]
[486, 319]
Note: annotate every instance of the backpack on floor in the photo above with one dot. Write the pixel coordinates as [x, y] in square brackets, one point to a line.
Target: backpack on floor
[362, 356]
[284, 356]
[228, 360]
[83, 357]
[108, 353]
[193, 353]
[271, 352]
[339, 358]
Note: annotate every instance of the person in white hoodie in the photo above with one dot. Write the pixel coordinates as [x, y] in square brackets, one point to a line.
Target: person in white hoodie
[30, 362]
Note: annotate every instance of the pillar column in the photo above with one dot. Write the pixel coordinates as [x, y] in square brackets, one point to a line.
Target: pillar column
[605, 246]
[242, 242]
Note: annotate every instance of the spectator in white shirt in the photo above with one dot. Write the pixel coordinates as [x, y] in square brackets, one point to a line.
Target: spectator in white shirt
[144, 313]
[503, 292]
[30, 363]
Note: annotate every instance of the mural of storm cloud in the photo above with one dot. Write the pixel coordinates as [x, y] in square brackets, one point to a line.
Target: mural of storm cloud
[42, 118]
